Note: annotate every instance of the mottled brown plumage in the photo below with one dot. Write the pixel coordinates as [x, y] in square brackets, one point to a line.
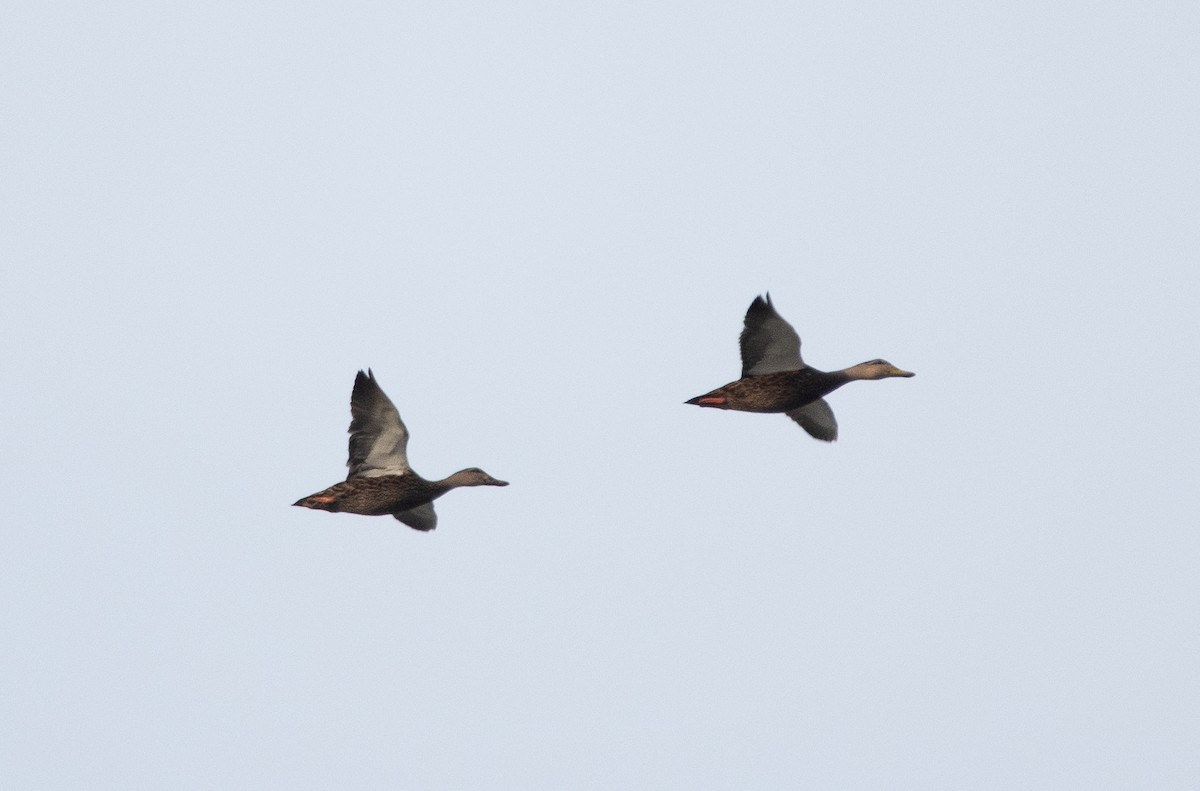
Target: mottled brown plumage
[776, 379]
[380, 481]
[776, 392]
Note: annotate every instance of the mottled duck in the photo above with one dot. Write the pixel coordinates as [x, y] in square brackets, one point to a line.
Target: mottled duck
[380, 480]
[775, 378]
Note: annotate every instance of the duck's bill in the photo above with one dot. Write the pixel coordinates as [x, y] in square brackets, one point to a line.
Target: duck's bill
[897, 372]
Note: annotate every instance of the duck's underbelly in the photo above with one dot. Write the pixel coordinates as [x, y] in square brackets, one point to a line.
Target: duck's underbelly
[780, 392]
[377, 496]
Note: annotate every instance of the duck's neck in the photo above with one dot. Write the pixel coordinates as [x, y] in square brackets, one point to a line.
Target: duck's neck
[451, 482]
[821, 383]
[833, 379]
[857, 372]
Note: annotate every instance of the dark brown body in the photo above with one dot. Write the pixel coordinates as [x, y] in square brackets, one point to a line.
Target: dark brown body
[782, 391]
[375, 496]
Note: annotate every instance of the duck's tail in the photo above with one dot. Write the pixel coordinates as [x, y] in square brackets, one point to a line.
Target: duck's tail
[321, 501]
[707, 400]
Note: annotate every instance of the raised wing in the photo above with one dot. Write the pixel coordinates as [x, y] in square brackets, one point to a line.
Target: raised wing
[769, 344]
[817, 419]
[422, 518]
[378, 438]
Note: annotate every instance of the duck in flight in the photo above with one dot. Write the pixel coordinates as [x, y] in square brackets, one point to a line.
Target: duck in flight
[775, 378]
[380, 480]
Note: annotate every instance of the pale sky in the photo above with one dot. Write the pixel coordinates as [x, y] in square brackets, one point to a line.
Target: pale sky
[541, 224]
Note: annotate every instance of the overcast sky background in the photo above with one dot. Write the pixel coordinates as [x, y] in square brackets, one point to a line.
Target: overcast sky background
[541, 224]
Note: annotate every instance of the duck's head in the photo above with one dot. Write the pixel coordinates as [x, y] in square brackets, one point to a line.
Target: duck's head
[473, 476]
[875, 369]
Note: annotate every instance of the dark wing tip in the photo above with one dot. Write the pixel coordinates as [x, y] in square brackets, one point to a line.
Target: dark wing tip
[760, 310]
[366, 400]
[363, 383]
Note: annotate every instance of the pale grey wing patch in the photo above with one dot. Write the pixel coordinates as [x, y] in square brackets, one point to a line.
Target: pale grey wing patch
[817, 419]
[422, 518]
[378, 437]
[768, 342]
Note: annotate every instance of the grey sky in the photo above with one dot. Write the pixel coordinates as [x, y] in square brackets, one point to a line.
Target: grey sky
[541, 224]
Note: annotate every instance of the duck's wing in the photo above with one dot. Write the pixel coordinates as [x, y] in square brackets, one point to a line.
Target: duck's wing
[817, 419]
[769, 343]
[422, 518]
[378, 438]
